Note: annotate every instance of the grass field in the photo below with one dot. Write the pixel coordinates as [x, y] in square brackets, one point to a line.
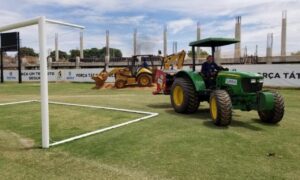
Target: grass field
[169, 146]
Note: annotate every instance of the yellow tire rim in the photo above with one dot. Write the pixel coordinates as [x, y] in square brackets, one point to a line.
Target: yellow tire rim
[213, 108]
[178, 95]
[144, 80]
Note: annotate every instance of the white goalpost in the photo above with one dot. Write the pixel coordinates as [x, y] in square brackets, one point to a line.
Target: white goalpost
[41, 22]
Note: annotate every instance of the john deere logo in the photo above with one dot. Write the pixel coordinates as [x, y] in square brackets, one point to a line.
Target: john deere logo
[231, 81]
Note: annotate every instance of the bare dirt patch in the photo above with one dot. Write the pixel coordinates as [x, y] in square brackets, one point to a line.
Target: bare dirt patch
[112, 86]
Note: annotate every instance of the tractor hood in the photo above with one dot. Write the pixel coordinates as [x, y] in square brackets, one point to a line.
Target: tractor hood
[240, 74]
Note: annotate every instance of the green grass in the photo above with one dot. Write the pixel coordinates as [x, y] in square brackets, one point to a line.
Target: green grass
[170, 146]
[65, 121]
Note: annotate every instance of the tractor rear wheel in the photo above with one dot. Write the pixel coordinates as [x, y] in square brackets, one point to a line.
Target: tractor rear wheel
[220, 108]
[144, 80]
[276, 114]
[184, 97]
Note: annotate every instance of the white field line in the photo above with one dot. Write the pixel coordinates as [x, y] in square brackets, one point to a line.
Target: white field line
[86, 96]
[149, 115]
[103, 130]
[100, 107]
[18, 102]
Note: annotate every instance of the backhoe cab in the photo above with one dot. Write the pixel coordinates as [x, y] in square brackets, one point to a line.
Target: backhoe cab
[232, 90]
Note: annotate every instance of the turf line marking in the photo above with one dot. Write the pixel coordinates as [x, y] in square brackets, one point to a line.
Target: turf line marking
[102, 130]
[149, 115]
[18, 102]
[100, 107]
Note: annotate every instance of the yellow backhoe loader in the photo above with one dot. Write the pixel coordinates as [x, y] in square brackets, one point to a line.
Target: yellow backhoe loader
[138, 71]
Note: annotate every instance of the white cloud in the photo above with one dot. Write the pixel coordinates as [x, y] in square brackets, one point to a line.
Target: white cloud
[127, 20]
[178, 25]
[259, 17]
[7, 17]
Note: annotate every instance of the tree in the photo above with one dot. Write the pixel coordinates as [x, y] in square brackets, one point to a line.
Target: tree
[96, 53]
[296, 53]
[61, 55]
[74, 53]
[26, 51]
[115, 52]
[93, 53]
[202, 54]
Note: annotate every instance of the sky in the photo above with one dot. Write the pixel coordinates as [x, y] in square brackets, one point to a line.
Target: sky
[121, 17]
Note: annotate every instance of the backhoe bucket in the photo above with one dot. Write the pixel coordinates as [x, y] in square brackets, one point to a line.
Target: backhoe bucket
[100, 79]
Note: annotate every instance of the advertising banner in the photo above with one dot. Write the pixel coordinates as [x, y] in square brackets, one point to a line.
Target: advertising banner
[283, 75]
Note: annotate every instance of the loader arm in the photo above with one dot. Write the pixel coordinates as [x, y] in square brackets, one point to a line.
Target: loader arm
[174, 59]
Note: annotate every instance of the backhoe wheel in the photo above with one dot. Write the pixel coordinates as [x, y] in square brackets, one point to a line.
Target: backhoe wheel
[144, 80]
[184, 97]
[220, 107]
[276, 114]
[120, 83]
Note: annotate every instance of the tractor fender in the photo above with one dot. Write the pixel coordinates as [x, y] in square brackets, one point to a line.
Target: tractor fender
[265, 101]
[143, 70]
[195, 77]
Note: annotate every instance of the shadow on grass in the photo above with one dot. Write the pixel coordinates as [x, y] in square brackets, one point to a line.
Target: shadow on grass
[201, 114]
[136, 86]
[204, 115]
[234, 123]
[160, 105]
[256, 120]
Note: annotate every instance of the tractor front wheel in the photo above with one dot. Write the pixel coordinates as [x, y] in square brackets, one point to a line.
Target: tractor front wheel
[220, 108]
[144, 80]
[184, 97]
[276, 114]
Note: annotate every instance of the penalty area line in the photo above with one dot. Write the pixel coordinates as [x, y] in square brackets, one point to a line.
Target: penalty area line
[148, 115]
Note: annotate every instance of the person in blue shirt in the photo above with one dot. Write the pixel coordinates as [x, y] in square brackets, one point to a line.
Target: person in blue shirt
[209, 70]
[145, 64]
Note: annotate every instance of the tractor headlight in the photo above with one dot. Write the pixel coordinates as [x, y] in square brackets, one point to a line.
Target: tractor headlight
[261, 80]
[253, 80]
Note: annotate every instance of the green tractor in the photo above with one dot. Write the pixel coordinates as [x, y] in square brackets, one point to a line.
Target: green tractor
[232, 90]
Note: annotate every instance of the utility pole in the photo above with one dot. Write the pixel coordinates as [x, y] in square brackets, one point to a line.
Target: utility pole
[237, 46]
[198, 38]
[165, 40]
[269, 48]
[135, 42]
[107, 57]
[81, 45]
[56, 48]
[283, 35]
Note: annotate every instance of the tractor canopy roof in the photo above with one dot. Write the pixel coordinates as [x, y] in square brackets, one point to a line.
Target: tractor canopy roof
[213, 42]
